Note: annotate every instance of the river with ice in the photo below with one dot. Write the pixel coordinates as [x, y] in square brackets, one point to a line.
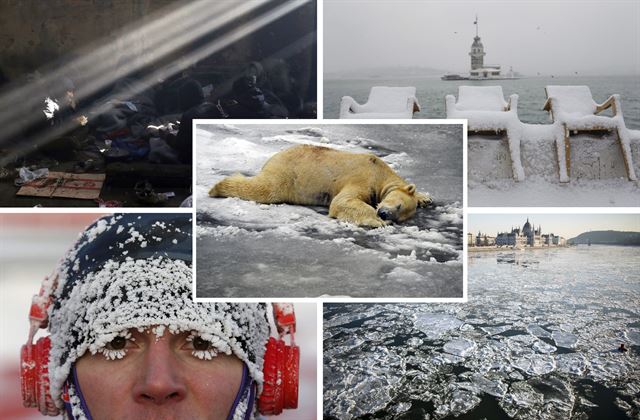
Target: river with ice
[257, 250]
[537, 339]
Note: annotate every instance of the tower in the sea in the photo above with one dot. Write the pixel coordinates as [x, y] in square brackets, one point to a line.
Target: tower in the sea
[477, 50]
[478, 69]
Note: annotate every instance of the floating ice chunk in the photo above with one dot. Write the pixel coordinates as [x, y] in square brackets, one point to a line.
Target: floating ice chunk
[572, 363]
[522, 401]
[585, 402]
[403, 275]
[460, 347]
[633, 336]
[496, 329]
[605, 369]
[542, 347]
[564, 339]
[367, 396]
[538, 331]
[536, 364]
[463, 401]
[415, 342]
[435, 325]
[559, 398]
[446, 359]
[520, 339]
[492, 387]
[352, 342]
[624, 406]
[343, 319]
[401, 407]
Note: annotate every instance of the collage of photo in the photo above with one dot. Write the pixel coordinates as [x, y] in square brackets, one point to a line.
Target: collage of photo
[320, 209]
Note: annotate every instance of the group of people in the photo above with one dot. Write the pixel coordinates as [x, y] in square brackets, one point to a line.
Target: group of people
[122, 113]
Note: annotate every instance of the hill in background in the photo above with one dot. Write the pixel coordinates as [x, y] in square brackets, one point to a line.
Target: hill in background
[385, 73]
[607, 237]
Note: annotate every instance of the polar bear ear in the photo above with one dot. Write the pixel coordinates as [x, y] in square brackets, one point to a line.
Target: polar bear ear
[411, 189]
[424, 199]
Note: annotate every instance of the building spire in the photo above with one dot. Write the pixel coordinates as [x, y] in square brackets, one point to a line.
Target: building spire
[476, 23]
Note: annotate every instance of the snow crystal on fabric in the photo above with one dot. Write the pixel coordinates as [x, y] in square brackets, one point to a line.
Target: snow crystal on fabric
[122, 274]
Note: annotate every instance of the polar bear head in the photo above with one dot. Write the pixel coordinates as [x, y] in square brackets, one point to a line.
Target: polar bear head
[399, 204]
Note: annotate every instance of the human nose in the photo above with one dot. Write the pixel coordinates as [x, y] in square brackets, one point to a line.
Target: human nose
[160, 380]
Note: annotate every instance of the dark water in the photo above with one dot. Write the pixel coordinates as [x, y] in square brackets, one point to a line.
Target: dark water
[431, 92]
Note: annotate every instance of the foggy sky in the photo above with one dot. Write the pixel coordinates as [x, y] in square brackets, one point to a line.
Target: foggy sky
[566, 225]
[549, 37]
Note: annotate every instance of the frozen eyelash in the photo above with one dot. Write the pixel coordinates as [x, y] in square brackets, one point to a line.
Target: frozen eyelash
[113, 354]
[205, 354]
[202, 354]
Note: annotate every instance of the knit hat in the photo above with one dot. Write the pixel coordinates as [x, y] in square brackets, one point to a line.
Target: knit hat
[134, 271]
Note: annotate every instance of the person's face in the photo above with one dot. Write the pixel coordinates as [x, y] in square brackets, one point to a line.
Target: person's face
[159, 379]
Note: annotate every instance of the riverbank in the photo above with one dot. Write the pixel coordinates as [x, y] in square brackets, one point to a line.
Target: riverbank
[510, 248]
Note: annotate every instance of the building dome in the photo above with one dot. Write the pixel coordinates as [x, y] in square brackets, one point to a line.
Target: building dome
[526, 229]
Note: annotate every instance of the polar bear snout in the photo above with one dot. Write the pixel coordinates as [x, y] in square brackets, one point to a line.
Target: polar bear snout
[387, 214]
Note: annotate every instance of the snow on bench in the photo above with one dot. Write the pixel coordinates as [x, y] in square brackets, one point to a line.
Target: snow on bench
[383, 102]
[486, 110]
[573, 108]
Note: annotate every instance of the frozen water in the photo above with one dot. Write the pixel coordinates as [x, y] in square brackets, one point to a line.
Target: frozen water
[435, 325]
[542, 347]
[538, 331]
[460, 347]
[463, 401]
[564, 339]
[250, 249]
[537, 364]
[536, 340]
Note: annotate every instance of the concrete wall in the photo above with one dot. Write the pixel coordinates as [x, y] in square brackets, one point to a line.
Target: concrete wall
[46, 34]
[34, 33]
[591, 158]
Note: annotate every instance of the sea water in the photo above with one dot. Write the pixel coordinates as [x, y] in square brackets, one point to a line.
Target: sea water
[538, 338]
[431, 92]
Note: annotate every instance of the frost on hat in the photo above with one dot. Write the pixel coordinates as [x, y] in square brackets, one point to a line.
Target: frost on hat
[134, 271]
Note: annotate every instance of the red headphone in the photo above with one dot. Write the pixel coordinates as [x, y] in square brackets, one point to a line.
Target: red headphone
[281, 362]
[281, 365]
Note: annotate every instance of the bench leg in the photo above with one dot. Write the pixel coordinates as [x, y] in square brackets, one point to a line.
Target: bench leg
[626, 156]
[513, 143]
[563, 151]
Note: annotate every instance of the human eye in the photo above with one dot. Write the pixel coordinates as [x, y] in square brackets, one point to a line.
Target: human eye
[201, 348]
[117, 348]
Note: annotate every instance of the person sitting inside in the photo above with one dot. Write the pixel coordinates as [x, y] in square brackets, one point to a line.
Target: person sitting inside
[194, 106]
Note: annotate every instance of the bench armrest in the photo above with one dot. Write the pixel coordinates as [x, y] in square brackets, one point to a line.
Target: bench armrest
[612, 102]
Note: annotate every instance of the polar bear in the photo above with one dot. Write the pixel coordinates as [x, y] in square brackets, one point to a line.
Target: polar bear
[358, 187]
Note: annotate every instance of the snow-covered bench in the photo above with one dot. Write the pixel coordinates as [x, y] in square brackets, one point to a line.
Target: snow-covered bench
[486, 111]
[383, 102]
[575, 110]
